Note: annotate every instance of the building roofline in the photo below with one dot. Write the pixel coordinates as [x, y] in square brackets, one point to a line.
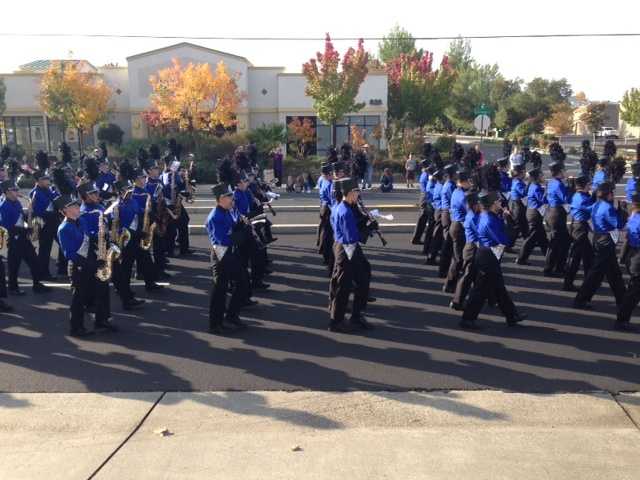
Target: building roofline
[300, 74]
[266, 68]
[185, 44]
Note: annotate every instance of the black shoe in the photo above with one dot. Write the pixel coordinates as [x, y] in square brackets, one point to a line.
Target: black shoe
[272, 239]
[188, 251]
[250, 303]
[153, 287]
[456, 306]
[372, 299]
[80, 333]
[517, 318]
[218, 329]
[569, 287]
[430, 261]
[50, 278]
[522, 262]
[260, 286]
[469, 325]
[133, 303]
[582, 305]
[17, 292]
[5, 307]
[106, 326]
[625, 327]
[416, 242]
[341, 327]
[361, 322]
[139, 276]
[164, 276]
[448, 289]
[268, 272]
[235, 321]
[40, 288]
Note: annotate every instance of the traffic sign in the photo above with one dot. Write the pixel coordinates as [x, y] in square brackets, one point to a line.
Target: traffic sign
[483, 110]
[482, 123]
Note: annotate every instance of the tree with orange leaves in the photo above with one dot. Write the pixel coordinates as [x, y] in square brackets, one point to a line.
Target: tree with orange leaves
[76, 99]
[193, 99]
[302, 135]
[334, 85]
[357, 137]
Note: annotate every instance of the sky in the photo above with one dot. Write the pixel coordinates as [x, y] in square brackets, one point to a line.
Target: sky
[603, 68]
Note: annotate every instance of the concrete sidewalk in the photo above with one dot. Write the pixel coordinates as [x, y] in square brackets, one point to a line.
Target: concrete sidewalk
[320, 435]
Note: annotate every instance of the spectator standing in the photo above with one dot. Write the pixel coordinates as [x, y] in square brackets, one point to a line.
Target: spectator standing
[410, 170]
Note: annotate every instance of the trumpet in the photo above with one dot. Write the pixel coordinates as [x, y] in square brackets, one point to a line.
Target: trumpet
[370, 218]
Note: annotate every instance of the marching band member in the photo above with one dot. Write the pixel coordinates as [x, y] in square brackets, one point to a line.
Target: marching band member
[518, 217]
[80, 250]
[425, 205]
[607, 222]
[226, 266]
[351, 271]
[467, 276]
[445, 218]
[559, 240]
[324, 240]
[536, 207]
[632, 295]
[44, 217]
[19, 246]
[435, 244]
[458, 212]
[580, 250]
[489, 281]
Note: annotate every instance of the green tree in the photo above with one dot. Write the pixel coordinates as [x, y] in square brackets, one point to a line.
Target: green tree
[595, 116]
[459, 54]
[397, 42]
[418, 94]
[630, 107]
[3, 91]
[268, 137]
[334, 89]
[110, 133]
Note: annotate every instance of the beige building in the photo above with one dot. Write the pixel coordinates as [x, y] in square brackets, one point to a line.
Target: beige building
[271, 96]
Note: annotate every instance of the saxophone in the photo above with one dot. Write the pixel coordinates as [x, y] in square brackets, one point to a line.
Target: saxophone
[148, 228]
[35, 224]
[123, 238]
[108, 255]
[4, 237]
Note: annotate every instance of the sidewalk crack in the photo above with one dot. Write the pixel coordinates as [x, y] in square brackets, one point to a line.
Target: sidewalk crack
[631, 419]
[128, 437]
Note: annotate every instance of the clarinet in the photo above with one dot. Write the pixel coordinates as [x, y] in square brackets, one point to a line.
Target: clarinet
[363, 210]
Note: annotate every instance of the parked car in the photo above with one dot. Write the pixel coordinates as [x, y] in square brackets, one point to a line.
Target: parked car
[607, 132]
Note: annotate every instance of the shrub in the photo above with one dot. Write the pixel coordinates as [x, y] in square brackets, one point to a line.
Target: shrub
[110, 133]
[445, 144]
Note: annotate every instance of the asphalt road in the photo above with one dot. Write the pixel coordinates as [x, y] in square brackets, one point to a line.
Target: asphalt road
[416, 344]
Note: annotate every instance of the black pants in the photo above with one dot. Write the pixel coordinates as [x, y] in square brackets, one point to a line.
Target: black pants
[559, 240]
[20, 248]
[517, 222]
[226, 271]
[632, 295]
[579, 252]
[421, 224]
[447, 244]
[86, 289]
[435, 245]
[178, 232]
[468, 274]
[132, 252]
[48, 235]
[325, 238]
[253, 256]
[537, 236]
[348, 275]
[428, 231]
[488, 282]
[605, 264]
[3, 279]
[457, 239]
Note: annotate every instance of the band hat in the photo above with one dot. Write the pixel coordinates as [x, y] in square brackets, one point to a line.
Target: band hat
[139, 173]
[534, 172]
[503, 162]
[556, 167]
[326, 168]
[464, 175]
[450, 168]
[487, 198]
[471, 197]
[221, 190]
[64, 201]
[38, 175]
[87, 188]
[9, 185]
[122, 186]
[602, 161]
[582, 180]
[346, 185]
[605, 188]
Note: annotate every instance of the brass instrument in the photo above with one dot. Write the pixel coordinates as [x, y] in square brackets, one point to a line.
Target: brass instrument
[108, 255]
[190, 188]
[4, 237]
[35, 224]
[123, 238]
[148, 228]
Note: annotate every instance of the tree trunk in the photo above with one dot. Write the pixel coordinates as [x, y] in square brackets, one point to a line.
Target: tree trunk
[333, 134]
